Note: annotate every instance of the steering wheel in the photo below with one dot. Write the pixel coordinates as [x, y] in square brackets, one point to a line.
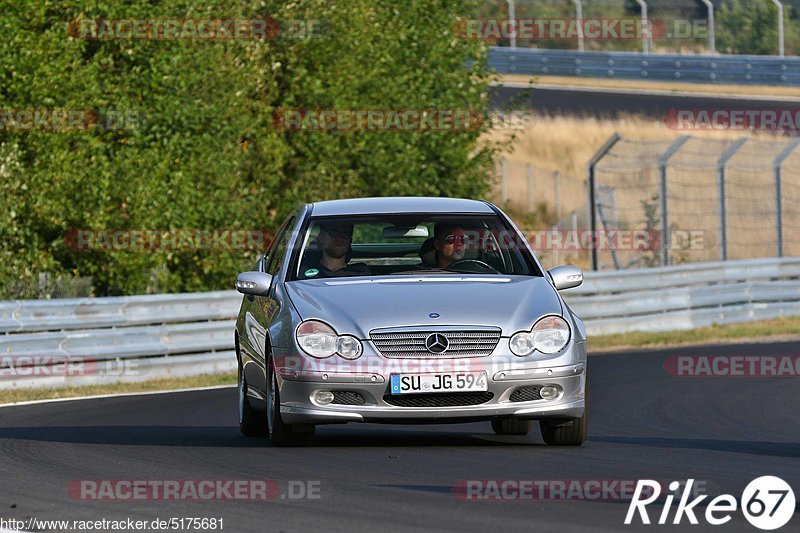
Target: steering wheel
[483, 267]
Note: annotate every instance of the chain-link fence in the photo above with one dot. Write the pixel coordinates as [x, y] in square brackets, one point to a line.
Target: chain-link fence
[695, 199]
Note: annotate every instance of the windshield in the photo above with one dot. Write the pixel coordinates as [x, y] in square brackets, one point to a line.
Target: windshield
[410, 244]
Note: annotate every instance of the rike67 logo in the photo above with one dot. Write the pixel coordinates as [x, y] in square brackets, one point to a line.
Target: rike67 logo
[767, 502]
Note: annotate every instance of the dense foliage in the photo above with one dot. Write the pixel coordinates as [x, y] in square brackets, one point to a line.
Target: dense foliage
[197, 147]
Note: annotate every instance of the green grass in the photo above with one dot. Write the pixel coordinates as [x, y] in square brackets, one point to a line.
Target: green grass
[780, 328]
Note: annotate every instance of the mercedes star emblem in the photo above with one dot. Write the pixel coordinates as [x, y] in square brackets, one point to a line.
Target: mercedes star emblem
[436, 343]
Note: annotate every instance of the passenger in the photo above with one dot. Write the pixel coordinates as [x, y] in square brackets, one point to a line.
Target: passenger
[449, 241]
[335, 241]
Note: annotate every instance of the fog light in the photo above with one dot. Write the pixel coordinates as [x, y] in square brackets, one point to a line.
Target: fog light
[323, 397]
[550, 392]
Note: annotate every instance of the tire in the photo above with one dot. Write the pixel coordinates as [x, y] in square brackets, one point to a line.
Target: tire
[570, 432]
[279, 433]
[511, 426]
[252, 423]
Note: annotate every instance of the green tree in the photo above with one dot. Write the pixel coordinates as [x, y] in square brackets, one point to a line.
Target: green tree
[204, 153]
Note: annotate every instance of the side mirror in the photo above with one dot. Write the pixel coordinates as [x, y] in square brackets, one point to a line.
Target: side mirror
[566, 277]
[255, 283]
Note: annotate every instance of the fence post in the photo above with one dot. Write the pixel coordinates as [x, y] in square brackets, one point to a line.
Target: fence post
[662, 167]
[504, 180]
[557, 178]
[723, 221]
[645, 27]
[781, 39]
[777, 164]
[530, 187]
[592, 193]
[579, 16]
[512, 15]
[712, 38]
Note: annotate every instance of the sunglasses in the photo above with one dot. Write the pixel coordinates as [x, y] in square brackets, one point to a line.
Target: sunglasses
[452, 239]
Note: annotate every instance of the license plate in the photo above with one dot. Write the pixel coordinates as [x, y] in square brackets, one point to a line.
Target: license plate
[445, 382]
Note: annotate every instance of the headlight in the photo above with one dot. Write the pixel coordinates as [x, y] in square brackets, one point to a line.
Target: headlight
[320, 340]
[549, 335]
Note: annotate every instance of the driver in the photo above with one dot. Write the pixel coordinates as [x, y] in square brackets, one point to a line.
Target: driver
[335, 241]
[449, 241]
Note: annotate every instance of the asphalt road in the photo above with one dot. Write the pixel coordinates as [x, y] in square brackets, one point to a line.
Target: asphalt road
[644, 424]
[615, 103]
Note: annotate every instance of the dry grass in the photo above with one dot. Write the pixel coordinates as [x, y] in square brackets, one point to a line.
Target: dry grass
[781, 329]
[745, 90]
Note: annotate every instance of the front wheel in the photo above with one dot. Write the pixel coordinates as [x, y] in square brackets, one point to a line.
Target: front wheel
[569, 432]
[281, 434]
[252, 423]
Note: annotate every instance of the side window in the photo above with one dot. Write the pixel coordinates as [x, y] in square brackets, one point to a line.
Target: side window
[278, 252]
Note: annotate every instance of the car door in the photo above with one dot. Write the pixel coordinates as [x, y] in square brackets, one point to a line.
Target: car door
[258, 312]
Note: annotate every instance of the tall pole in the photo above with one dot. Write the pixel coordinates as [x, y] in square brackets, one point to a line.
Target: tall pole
[579, 17]
[712, 34]
[666, 238]
[779, 5]
[512, 17]
[645, 27]
[723, 214]
[591, 194]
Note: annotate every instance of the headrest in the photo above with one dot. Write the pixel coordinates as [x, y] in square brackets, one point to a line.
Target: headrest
[427, 252]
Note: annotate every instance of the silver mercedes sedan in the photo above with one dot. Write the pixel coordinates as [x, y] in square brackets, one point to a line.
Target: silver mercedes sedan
[407, 310]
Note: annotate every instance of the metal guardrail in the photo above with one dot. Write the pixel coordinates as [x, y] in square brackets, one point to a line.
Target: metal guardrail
[687, 296]
[722, 69]
[91, 341]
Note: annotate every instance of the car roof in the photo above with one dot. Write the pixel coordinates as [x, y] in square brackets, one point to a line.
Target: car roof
[400, 204]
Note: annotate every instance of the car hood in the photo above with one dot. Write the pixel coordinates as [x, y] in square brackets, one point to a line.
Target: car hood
[355, 306]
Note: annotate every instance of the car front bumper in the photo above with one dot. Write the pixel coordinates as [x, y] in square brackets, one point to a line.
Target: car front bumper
[299, 407]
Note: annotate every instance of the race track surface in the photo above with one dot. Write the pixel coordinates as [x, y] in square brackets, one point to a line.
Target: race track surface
[644, 423]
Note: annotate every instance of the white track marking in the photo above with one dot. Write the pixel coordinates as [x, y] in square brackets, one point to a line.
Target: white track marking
[122, 395]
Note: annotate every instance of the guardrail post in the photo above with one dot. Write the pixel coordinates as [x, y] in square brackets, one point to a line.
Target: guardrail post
[712, 37]
[662, 167]
[777, 164]
[592, 194]
[723, 222]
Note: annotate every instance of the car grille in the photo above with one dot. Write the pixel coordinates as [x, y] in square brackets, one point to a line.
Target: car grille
[438, 400]
[346, 397]
[467, 342]
[525, 394]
